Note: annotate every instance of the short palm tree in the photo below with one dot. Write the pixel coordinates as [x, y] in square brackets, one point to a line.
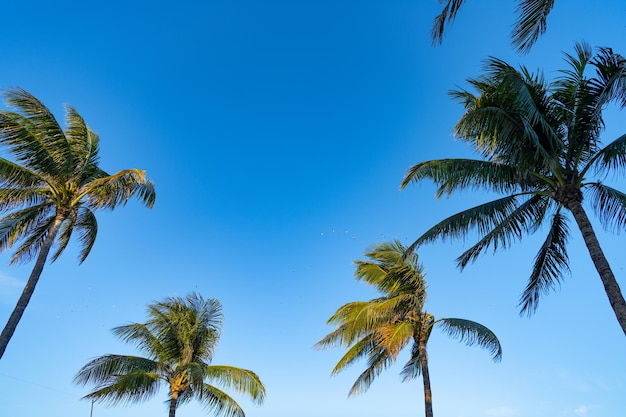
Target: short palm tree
[178, 341]
[541, 150]
[381, 328]
[530, 23]
[50, 188]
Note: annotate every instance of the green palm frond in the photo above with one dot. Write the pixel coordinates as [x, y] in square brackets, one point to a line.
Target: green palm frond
[83, 143]
[13, 175]
[64, 234]
[550, 263]
[609, 205]
[524, 219]
[87, 228]
[609, 84]
[483, 219]
[379, 358]
[359, 350]
[36, 140]
[116, 189]
[15, 198]
[531, 22]
[452, 175]
[142, 337]
[241, 380]
[472, 334]
[611, 158]
[218, 402]
[132, 387]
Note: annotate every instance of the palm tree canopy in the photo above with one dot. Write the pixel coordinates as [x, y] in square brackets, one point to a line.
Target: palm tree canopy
[531, 21]
[380, 329]
[540, 144]
[179, 341]
[53, 172]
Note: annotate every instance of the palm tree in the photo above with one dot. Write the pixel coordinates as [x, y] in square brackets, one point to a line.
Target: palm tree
[381, 328]
[530, 23]
[51, 187]
[540, 144]
[179, 340]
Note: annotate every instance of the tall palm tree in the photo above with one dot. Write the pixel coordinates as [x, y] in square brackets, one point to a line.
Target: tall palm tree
[381, 328]
[50, 187]
[530, 23]
[540, 144]
[178, 340]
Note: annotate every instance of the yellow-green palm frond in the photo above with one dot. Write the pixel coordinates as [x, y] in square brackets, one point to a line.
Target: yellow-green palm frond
[84, 144]
[217, 402]
[119, 188]
[13, 175]
[33, 135]
[241, 380]
[15, 198]
[120, 379]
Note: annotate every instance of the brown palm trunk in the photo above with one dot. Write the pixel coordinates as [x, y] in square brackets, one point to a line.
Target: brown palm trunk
[29, 289]
[611, 286]
[428, 396]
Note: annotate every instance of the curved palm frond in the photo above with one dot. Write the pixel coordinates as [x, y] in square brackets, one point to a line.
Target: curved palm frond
[16, 198]
[525, 218]
[87, 228]
[13, 175]
[531, 23]
[241, 380]
[116, 189]
[379, 358]
[452, 175]
[472, 334]
[550, 264]
[413, 367]
[64, 234]
[610, 158]
[34, 136]
[218, 402]
[609, 205]
[483, 218]
[445, 19]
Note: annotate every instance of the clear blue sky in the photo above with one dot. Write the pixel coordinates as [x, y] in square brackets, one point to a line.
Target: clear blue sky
[277, 133]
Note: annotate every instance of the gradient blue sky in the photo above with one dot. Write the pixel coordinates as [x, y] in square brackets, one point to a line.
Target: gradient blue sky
[277, 133]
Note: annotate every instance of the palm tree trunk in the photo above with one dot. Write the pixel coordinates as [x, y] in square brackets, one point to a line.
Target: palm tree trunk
[29, 289]
[173, 403]
[428, 396]
[611, 287]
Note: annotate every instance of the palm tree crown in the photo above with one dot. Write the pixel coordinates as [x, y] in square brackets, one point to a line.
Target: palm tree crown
[178, 341]
[381, 328]
[541, 144]
[51, 186]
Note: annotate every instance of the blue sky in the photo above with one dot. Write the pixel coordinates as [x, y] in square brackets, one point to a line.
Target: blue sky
[277, 134]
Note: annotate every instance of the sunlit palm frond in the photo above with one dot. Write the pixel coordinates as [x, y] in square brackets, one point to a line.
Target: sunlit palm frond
[218, 402]
[132, 387]
[109, 192]
[87, 229]
[357, 351]
[83, 145]
[16, 198]
[524, 219]
[379, 358]
[241, 380]
[13, 175]
[37, 140]
[609, 205]
[142, 337]
[550, 263]
[472, 334]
